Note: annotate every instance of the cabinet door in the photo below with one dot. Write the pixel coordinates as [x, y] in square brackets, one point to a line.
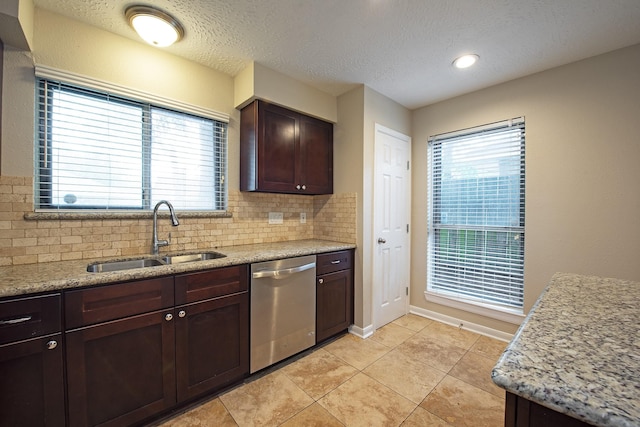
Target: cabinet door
[121, 372]
[316, 156]
[278, 166]
[334, 310]
[212, 344]
[32, 383]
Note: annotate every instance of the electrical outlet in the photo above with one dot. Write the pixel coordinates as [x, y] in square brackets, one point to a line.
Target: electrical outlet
[275, 217]
[303, 218]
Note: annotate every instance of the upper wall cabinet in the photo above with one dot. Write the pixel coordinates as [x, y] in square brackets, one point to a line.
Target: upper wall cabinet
[282, 151]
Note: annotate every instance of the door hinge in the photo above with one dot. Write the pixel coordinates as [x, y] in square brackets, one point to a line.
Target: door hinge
[407, 164]
[407, 290]
[407, 228]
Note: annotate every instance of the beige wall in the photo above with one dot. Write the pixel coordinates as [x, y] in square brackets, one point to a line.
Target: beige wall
[582, 174]
[358, 112]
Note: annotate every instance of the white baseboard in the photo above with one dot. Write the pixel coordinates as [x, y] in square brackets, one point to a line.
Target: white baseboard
[473, 327]
[363, 333]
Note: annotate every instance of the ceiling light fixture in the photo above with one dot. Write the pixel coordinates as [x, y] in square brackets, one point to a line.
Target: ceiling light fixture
[465, 61]
[154, 26]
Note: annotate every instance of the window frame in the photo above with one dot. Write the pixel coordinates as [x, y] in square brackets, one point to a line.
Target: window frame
[43, 192]
[508, 313]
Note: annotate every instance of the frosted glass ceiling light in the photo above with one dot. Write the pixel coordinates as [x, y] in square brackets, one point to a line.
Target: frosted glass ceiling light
[154, 26]
[465, 61]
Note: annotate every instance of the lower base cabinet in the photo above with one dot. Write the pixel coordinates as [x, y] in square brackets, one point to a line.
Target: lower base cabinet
[126, 370]
[334, 293]
[32, 383]
[520, 412]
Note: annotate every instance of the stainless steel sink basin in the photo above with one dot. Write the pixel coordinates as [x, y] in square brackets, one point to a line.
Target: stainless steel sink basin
[180, 258]
[103, 267]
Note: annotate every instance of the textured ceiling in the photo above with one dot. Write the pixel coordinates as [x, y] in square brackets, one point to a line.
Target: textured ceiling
[400, 48]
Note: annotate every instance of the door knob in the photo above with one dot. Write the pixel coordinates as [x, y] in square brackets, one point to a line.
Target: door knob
[381, 240]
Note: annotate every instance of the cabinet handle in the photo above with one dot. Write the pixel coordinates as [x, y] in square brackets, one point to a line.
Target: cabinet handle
[335, 262]
[52, 344]
[168, 316]
[15, 321]
[321, 281]
[182, 313]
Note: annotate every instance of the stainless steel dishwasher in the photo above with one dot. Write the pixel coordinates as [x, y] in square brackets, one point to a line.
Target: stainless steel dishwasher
[283, 309]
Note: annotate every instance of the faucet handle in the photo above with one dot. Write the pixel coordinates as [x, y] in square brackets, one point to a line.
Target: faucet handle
[169, 239]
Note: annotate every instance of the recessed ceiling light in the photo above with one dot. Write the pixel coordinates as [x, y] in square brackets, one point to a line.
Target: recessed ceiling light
[465, 61]
[154, 26]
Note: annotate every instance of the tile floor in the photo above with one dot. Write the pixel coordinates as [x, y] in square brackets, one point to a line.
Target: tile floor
[412, 372]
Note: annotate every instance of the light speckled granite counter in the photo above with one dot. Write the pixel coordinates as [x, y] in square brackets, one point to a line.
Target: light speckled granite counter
[52, 276]
[578, 351]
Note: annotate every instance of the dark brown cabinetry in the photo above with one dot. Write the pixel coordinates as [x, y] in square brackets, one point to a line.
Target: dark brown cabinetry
[31, 362]
[334, 293]
[282, 151]
[120, 359]
[521, 412]
[140, 348]
[212, 330]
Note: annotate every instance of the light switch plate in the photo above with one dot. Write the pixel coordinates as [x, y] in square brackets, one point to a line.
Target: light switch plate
[303, 218]
[275, 217]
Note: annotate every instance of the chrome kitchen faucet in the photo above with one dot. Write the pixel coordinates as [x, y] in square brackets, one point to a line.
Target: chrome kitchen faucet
[174, 221]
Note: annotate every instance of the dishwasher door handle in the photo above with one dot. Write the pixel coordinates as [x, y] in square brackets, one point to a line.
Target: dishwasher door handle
[277, 274]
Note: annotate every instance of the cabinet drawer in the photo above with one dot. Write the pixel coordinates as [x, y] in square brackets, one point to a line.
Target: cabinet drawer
[29, 317]
[211, 284]
[88, 306]
[334, 261]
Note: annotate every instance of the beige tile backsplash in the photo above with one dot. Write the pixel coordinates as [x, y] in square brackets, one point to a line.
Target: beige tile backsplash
[31, 241]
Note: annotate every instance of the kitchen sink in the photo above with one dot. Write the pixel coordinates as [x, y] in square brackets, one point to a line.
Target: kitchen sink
[103, 267]
[180, 258]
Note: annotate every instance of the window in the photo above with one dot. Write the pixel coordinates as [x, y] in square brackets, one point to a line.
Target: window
[476, 216]
[97, 150]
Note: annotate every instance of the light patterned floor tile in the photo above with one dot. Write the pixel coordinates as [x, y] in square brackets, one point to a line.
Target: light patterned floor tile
[357, 352]
[405, 375]
[362, 401]
[313, 416]
[267, 401]
[205, 415]
[464, 405]
[391, 335]
[413, 322]
[475, 369]
[436, 353]
[319, 373]
[423, 418]
[450, 335]
[489, 347]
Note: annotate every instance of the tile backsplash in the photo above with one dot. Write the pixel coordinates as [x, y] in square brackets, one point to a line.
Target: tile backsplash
[29, 241]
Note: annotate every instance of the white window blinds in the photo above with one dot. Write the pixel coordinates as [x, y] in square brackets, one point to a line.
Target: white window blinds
[98, 150]
[476, 215]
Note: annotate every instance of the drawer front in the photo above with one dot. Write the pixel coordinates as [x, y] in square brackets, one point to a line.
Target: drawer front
[89, 306]
[30, 317]
[203, 285]
[334, 261]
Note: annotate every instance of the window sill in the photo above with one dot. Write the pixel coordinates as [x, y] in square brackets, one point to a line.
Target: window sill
[85, 215]
[513, 316]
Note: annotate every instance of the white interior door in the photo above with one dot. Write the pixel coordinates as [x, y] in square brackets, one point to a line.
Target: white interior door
[392, 207]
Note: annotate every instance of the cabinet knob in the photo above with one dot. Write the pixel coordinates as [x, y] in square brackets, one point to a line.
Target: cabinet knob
[298, 187]
[182, 313]
[52, 344]
[304, 187]
[168, 316]
[321, 281]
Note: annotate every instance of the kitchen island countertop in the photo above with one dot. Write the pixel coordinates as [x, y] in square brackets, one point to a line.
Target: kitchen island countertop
[54, 276]
[578, 351]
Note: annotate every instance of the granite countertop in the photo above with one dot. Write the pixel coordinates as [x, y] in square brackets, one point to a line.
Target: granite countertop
[52, 276]
[578, 351]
